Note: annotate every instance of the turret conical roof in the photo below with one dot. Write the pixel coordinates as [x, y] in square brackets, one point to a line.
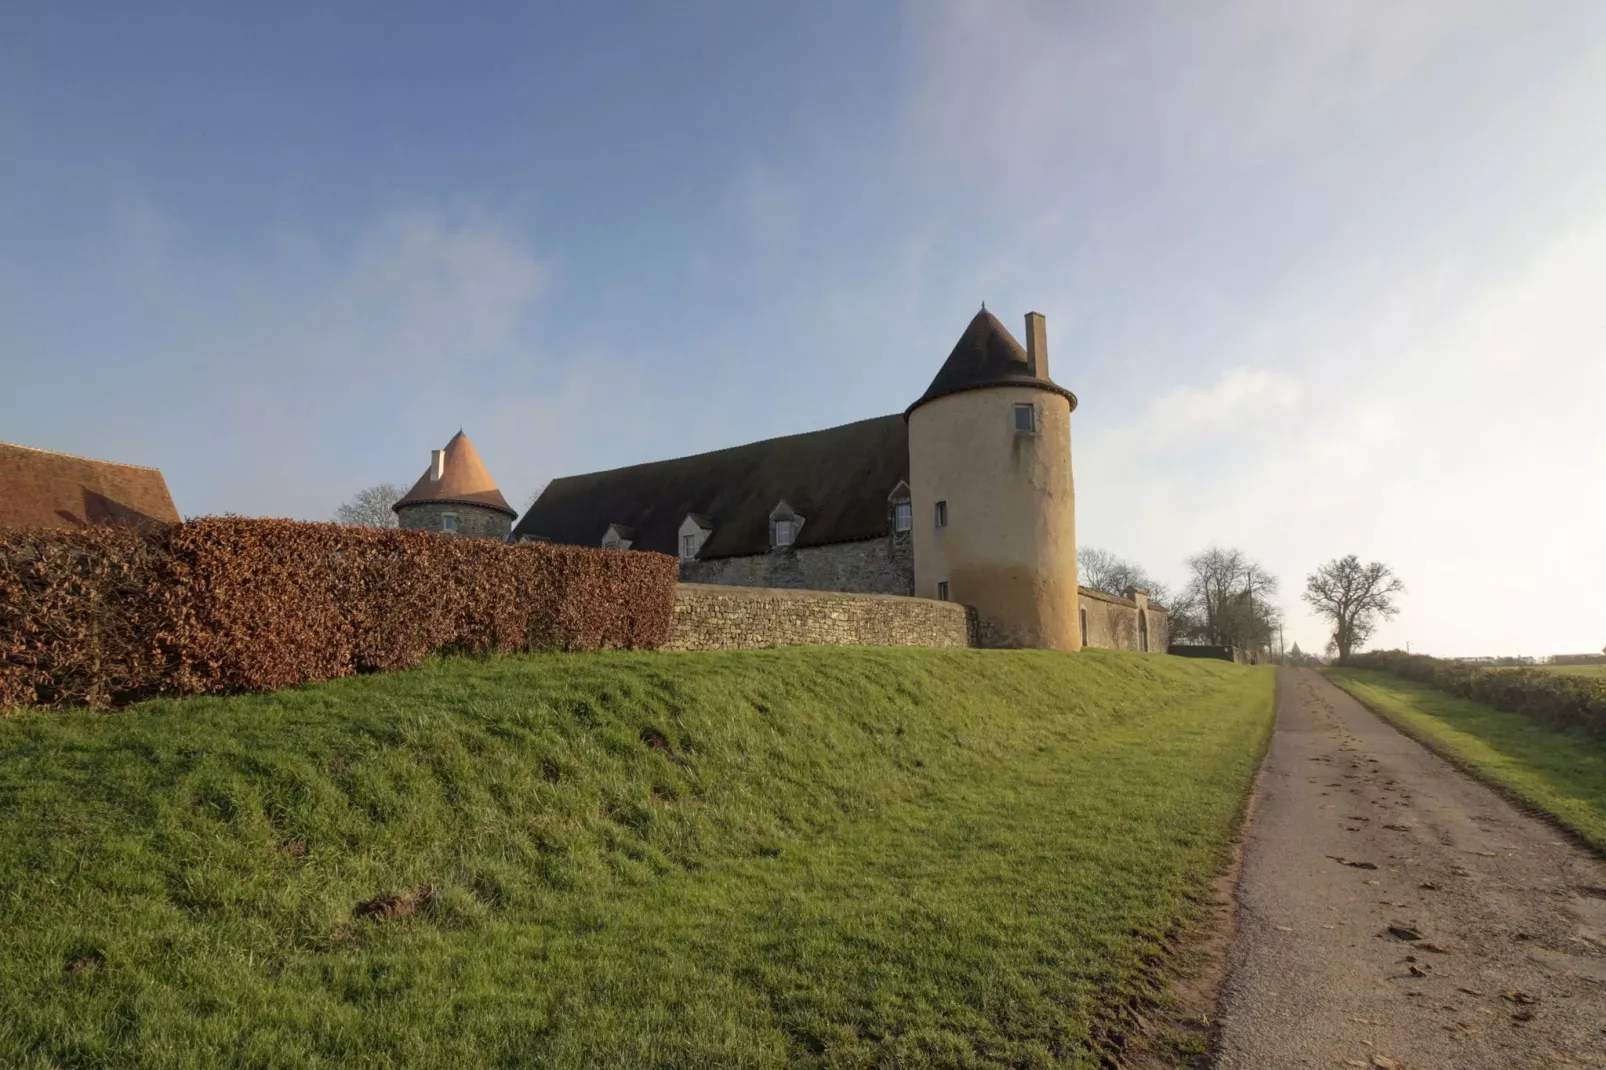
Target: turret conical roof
[464, 478]
[986, 355]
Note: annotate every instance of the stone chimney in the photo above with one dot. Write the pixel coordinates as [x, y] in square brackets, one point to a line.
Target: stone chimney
[1037, 344]
[437, 465]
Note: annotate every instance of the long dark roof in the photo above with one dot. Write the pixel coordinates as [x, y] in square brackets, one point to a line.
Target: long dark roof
[837, 479]
[986, 355]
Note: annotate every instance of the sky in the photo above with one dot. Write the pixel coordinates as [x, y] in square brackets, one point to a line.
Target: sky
[1326, 278]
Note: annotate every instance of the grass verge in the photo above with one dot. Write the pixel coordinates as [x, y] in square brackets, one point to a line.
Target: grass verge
[829, 857]
[1561, 772]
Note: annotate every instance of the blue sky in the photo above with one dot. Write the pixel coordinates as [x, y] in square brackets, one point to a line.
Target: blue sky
[1326, 278]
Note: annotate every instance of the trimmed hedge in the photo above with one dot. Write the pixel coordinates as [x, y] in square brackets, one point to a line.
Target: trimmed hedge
[105, 616]
[1556, 698]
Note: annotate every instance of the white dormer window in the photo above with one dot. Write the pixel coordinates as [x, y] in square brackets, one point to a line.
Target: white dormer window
[618, 537]
[1026, 419]
[784, 526]
[694, 532]
[903, 517]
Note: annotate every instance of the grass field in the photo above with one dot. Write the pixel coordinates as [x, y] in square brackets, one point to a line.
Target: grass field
[826, 857]
[1562, 772]
[1576, 670]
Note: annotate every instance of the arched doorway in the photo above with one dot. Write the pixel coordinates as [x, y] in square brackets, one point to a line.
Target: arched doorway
[1143, 631]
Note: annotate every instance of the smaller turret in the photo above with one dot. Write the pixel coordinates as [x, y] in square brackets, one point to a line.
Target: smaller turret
[456, 495]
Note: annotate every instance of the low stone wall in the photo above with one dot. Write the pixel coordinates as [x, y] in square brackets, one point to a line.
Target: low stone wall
[1110, 622]
[716, 617]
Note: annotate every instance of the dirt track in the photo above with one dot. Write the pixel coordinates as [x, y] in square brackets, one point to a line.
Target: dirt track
[1510, 967]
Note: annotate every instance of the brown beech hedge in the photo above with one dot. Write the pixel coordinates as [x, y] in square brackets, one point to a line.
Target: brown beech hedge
[1557, 699]
[102, 617]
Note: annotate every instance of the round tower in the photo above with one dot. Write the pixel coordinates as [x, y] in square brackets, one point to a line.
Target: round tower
[990, 481]
[456, 495]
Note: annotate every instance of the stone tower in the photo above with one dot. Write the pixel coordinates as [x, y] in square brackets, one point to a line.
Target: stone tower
[990, 481]
[456, 495]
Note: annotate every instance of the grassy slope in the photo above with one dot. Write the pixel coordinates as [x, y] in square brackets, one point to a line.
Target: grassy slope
[840, 857]
[1561, 772]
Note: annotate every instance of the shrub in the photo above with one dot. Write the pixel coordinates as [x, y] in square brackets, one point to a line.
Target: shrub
[102, 617]
[1555, 698]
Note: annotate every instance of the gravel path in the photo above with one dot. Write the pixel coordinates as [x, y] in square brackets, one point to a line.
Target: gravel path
[1497, 952]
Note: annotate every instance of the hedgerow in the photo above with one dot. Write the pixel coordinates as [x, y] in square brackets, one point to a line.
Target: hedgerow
[101, 617]
[1554, 698]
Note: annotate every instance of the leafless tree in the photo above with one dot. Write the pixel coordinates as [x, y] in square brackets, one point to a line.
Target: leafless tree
[1355, 597]
[1227, 601]
[1104, 571]
[370, 507]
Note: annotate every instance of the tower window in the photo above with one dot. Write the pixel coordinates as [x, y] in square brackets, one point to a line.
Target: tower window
[688, 547]
[783, 533]
[940, 516]
[448, 522]
[903, 517]
[942, 590]
[1026, 419]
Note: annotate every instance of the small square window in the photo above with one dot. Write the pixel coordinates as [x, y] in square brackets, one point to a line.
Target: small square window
[688, 546]
[448, 522]
[1026, 419]
[941, 514]
[942, 590]
[783, 533]
[903, 517]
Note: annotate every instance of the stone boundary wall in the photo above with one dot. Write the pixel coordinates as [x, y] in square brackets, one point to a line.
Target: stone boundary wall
[883, 565]
[717, 617]
[1112, 621]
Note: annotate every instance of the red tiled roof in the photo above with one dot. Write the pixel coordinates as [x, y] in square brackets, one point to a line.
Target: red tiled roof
[41, 488]
[464, 479]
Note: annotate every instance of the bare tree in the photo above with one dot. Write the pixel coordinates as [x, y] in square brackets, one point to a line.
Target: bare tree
[1355, 597]
[370, 507]
[1104, 571]
[1227, 601]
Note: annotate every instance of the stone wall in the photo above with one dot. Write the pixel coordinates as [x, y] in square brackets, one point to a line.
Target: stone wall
[1112, 623]
[473, 521]
[717, 617]
[883, 565]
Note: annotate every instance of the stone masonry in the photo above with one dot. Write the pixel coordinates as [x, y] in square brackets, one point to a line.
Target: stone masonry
[473, 521]
[718, 617]
[879, 566]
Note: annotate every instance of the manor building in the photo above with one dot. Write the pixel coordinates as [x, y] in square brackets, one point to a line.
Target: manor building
[967, 495]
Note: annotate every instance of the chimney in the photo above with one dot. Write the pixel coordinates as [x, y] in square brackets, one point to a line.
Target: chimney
[437, 465]
[1037, 344]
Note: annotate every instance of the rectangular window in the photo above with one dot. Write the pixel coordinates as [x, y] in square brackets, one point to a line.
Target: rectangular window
[448, 522]
[1026, 419]
[783, 533]
[688, 546]
[903, 517]
[941, 516]
[942, 590]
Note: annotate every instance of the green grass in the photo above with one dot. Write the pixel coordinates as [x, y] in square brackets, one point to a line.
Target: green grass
[1575, 670]
[1559, 771]
[806, 857]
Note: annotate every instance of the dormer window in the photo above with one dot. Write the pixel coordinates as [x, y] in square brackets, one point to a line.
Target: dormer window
[618, 537]
[694, 532]
[785, 524]
[1026, 419]
[903, 517]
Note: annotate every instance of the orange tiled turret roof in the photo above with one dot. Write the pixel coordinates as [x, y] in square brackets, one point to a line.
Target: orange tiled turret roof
[463, 478]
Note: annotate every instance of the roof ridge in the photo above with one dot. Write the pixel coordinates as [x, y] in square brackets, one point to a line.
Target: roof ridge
[80, 456]
[726, 449]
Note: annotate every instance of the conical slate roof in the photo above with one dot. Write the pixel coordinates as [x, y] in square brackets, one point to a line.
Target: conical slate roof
[986, 355]
[464, 479]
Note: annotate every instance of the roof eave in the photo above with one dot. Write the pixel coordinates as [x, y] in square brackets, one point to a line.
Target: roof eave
[1045, 385]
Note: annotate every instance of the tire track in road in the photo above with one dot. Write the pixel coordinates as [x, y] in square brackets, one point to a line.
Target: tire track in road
[1393, 911]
